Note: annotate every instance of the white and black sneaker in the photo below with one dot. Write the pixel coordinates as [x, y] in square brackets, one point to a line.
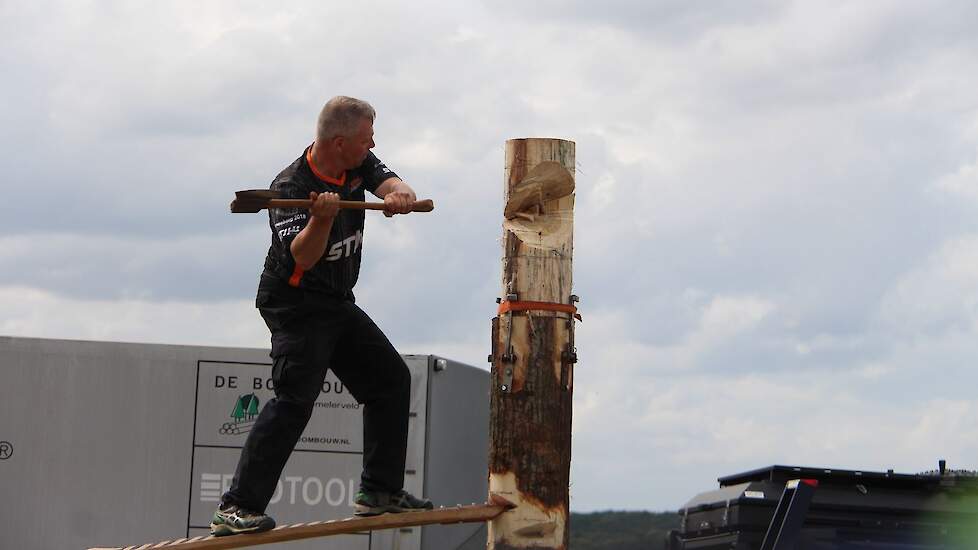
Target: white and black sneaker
[231, 519]
[373, 503]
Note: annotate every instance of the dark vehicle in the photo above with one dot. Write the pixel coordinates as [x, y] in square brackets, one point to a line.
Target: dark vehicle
[843, 509]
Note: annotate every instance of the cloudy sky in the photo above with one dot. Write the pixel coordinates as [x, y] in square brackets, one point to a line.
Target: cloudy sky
[776, 229]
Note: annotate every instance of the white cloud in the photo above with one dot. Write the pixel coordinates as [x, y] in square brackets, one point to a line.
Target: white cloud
[723, 320]
[202, 266]
[727, 315]
[35, 313]
[963, 182]
[938, 296]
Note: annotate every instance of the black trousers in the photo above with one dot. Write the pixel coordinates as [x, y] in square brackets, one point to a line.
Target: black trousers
[310, 336]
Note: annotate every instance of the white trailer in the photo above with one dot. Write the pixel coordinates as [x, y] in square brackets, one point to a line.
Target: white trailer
[106, 443]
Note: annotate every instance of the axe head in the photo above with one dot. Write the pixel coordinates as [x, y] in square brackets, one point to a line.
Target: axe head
[252, 200]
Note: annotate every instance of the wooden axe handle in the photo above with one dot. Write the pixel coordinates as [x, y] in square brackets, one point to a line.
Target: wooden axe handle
[426, 205]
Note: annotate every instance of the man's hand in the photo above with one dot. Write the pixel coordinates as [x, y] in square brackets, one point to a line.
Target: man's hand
[324, 205]
[308, 246]
[397, 203]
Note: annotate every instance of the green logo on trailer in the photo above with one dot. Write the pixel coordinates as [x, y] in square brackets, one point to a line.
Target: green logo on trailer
[243, 414]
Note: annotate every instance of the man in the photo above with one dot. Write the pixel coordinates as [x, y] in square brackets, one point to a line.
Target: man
[305, 296]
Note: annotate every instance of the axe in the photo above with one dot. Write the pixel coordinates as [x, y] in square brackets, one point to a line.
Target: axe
[254, 200]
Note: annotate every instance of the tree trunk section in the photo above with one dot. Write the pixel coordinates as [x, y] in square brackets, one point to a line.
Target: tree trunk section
[533, 350]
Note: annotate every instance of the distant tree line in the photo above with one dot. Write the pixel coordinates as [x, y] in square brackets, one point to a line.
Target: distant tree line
[621, 530]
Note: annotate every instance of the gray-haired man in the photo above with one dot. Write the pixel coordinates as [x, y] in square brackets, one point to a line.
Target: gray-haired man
[305, 296]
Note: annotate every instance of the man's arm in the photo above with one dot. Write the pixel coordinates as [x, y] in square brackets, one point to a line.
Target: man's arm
[398, 196]
[309, 245]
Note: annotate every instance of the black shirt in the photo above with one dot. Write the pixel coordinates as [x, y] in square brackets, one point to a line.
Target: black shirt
[337, 270]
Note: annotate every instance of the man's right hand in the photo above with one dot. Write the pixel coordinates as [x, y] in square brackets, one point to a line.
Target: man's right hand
[324, 205]
[308, 246]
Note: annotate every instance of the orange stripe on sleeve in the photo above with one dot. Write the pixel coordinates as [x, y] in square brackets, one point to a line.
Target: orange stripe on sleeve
[296, 276]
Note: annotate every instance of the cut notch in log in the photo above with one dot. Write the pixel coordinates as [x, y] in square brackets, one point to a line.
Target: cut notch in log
[546, 181]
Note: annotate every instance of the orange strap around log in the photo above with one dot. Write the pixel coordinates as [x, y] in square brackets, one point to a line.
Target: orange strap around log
[507, 306]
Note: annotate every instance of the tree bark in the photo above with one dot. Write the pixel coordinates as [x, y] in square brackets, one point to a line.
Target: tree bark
[533, 350]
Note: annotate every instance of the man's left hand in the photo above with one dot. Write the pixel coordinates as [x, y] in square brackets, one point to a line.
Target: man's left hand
[397, 203]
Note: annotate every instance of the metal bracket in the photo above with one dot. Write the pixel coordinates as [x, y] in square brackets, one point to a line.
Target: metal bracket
[507, 384]
[508, 357]
[568, 357]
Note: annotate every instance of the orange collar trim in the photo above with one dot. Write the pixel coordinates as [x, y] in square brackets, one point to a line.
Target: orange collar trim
[334, 181]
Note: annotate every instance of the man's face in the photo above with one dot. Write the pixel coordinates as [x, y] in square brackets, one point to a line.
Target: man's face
[354, 148]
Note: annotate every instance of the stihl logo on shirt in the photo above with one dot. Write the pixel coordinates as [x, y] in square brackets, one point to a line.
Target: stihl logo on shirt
[294, 229]
[289, 231]
[345, 248]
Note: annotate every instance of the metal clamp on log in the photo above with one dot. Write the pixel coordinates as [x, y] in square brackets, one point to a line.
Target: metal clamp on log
[568, 357]
[508, 357]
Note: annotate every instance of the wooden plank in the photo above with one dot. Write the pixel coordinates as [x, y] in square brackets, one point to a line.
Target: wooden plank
[459, 514]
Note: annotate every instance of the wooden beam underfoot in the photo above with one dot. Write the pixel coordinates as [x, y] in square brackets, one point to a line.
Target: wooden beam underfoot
[459, 514]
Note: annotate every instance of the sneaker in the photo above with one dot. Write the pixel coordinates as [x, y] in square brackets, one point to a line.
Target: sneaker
[372, 503]
[231, 519]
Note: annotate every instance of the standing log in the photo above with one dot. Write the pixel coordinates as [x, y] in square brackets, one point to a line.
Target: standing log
[533, 349]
